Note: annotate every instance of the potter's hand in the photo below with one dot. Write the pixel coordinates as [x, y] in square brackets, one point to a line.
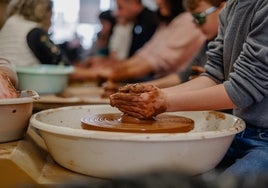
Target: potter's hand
[7, 90]
[139, 100]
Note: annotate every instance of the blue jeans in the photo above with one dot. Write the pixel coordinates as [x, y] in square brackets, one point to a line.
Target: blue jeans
[248, 154]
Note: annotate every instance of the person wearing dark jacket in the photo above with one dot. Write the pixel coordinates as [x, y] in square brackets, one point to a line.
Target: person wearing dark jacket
[144, 22]
[24, 36]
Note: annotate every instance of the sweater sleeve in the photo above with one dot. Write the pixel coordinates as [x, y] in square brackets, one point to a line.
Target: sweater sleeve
[245, 74]
[249, 82]
[44, 49]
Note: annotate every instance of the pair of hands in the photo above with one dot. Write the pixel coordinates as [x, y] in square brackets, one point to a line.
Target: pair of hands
[94, 68]
[7, 89]
[140, 100]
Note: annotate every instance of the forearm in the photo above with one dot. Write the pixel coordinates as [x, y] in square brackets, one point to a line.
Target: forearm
[212, 97]
[167, 81]
[191, 85]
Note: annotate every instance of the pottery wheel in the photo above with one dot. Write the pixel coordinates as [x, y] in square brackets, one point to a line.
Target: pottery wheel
[116, 122]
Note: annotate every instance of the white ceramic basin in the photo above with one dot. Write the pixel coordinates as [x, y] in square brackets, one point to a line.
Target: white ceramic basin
[15, 114]
[108, 154]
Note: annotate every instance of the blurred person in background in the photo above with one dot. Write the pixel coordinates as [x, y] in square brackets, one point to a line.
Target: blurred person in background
[120, 41]
[24, 36]
[195, 67]
[173, 45]
[144, 22]
[101, 46]
[135, 25]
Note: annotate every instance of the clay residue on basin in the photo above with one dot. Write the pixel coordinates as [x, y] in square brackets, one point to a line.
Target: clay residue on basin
[217, 115]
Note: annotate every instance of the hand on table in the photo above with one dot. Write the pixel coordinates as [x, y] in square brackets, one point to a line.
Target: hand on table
[139, 100]
[7, 89]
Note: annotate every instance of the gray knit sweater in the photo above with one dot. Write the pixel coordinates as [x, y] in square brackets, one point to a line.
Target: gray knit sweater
[238, 57]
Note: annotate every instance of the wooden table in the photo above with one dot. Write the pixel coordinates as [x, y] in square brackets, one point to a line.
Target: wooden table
[27, 161]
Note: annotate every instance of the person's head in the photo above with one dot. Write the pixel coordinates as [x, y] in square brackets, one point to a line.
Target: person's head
[205, 14]
[39, 11]
[169, 9]
[128, 10]
[107, 20]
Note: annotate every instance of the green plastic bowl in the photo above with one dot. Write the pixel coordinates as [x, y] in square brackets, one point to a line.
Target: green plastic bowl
[44, 79]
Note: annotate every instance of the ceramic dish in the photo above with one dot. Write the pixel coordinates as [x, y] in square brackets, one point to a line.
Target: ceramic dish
[15, 114]
[44, 79]
[108, 154]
